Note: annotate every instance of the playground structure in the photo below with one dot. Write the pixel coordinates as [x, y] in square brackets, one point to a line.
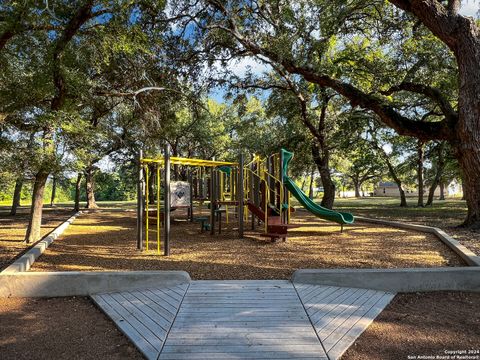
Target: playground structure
[258, 190]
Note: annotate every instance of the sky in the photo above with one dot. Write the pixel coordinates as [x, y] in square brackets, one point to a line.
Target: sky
[240, 68]
[470, 8]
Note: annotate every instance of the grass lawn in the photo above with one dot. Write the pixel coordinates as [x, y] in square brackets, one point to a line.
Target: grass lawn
[447, 213]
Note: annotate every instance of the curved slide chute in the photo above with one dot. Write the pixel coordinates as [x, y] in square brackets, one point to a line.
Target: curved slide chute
[307, 203]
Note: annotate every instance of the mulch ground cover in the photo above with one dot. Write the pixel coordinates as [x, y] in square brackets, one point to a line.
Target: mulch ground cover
[424, 325]
[13, 229]
[59, 328]
[447, 215]
[413, 324]
[106, 241]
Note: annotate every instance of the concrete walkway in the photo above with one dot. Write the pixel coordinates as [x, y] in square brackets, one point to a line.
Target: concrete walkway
[243, 319]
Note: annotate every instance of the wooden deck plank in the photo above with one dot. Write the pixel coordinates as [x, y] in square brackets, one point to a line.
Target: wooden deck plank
[169, 303]
[331, 334]
[239, 320]
[281, 347]
[244, 319]
[358, 328]
[154, 305]
[149, 351]
[321, 295]
[135, 318]
[339, 308]
[317, 293]
[149, 311]
[340, 315]
[314, 307]
[231, 356]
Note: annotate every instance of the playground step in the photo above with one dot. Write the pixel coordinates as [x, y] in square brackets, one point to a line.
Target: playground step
[274, 236]
[277, 228]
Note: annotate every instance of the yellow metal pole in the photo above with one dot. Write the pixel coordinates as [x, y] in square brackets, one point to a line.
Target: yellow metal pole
[288, 202]
[146, 205]
[245, 192]
[158, 209]
[266, 205]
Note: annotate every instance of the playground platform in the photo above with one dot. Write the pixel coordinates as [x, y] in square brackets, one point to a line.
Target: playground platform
[249, 319]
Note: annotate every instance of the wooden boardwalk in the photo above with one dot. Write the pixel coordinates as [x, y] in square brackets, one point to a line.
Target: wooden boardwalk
[243, 319]
[339, 315]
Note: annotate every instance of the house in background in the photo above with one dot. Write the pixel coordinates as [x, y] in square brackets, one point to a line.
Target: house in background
[389, 188]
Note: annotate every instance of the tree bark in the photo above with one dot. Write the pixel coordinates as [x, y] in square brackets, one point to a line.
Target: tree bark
[304, 183]
[310, 189]
[151, 187]
[467, 147]
[17, 193]
[356, 184]
[322, 162]
[442, 191]
[437, 178]
[33, 230]
[82, 15]
[90, 188]
[420, 159]
[392, 172]
[54, 190]
[77, 192]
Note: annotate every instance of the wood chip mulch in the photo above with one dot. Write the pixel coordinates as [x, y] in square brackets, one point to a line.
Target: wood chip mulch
[59, 328]
[106, 240]
[422, 326]
[13, 229]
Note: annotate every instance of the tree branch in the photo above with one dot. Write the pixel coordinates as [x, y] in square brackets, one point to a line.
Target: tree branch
[429, 92]
[387, 113]
[436, 17]
[82, 15]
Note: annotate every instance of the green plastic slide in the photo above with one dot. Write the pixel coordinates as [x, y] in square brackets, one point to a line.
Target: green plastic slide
[307, 203]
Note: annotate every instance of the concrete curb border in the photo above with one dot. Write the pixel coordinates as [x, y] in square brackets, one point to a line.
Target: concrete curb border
[25, 262]
[84, 283]
[395, 280]
[467, 255]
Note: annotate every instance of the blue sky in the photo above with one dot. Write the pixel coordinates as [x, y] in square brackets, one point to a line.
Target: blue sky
[239, 68]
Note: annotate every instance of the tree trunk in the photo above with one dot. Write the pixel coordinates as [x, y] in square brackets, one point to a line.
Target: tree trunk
[393, 174]
[176, 171]
[442, 191]
[304, 182]
[356, 184]
[438, 176]
[82, 15]
[322, 162]
[310, 189]
[76, 206]
[151, 187]
[467, 147]
[431, 193]
[54, 190]
[17, 193]
[420, 156]
[34, 226]
[90, 188]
